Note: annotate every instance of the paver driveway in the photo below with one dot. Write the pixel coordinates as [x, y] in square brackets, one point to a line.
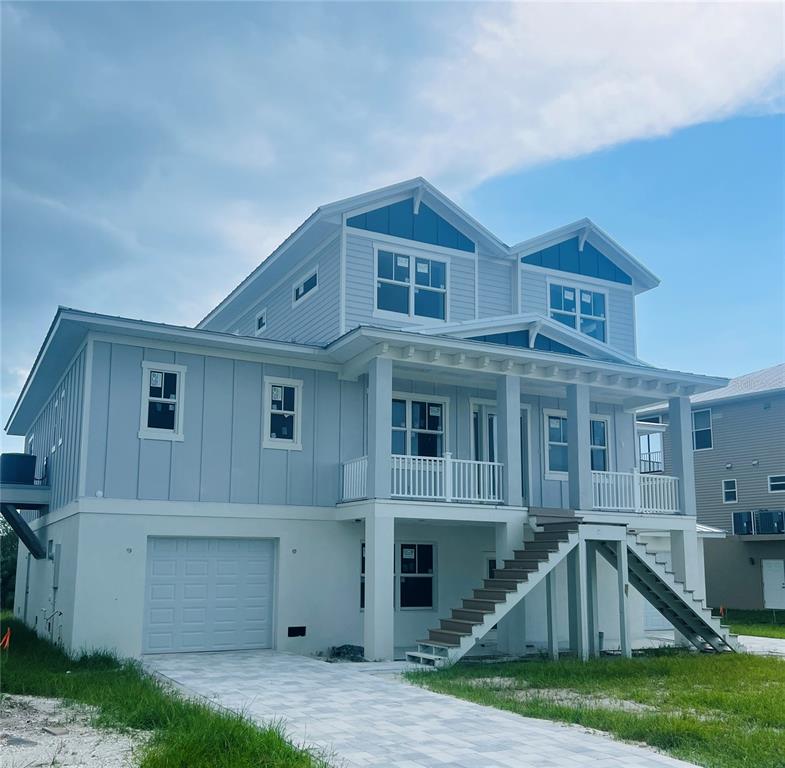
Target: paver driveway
[362, 718]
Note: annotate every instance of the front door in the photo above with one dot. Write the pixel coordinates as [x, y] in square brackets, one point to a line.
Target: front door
[773, 584]
[485, 440]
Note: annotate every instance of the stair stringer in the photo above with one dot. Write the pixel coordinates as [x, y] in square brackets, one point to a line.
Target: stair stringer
[513, 597]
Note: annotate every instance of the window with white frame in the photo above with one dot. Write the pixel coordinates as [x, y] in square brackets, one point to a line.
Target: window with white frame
[579, 308]
[282, 413]
[556, 443]
[729, 492]
[416, 576]
[599, 445]
[701, 430]
[396, 291]
[162, 401]
[261, 322]
[306, 286]
[776, 483]
[417, 426]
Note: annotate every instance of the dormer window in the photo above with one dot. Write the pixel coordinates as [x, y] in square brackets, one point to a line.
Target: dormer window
[579, 308]
[396, 291]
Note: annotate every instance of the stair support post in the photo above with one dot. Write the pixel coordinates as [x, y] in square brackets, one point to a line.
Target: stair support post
[553, 625]
[577, 601]
[379, 616]
[622, 574]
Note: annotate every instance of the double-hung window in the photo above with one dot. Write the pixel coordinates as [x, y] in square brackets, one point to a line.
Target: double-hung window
[701, 430]
[556, 438]
[416, 576]
[556, 451]
[305, 287]
[417, 427]
[282, 413]
[729, 492]
[776, 483]
[396, 291]
[599, 445]
[579, 308]
[162, 401]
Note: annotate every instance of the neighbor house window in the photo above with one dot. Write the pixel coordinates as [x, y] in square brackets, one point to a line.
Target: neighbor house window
[396, 291]
[701, 430]
[579, 308]
[306, 286]
[417, 426]
[556, 443]
[776, 483]
[599, 445]
[416, 576]
[729, 492]
[282, 416]
[162, 401]
[261, 322]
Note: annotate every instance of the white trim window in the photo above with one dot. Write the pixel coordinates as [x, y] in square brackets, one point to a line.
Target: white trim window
[163, 398]
[305, 287]
[776, 483]
[555, 444]
[415, 581]
[579, 308]
[261, 322]
[702, 438]
[282, 413]
[397, 293]
[730, 491]
[599, 445]
[418, 426]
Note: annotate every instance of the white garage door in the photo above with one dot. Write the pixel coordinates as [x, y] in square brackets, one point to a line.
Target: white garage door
[208, 594]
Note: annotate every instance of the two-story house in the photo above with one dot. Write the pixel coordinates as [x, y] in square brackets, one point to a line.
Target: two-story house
[397, 432]
[738, 438]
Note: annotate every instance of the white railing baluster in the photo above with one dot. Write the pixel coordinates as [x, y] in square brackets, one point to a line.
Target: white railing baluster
[635, 492]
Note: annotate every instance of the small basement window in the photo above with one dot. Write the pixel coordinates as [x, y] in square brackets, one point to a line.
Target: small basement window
[282, 417]
[306, 286]
[162, 401]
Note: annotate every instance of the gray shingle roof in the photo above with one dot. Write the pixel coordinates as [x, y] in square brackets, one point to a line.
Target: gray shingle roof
[767, 380]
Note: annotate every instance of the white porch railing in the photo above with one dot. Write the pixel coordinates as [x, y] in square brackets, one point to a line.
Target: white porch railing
[446, 479]
[635, 492]
[355, 479]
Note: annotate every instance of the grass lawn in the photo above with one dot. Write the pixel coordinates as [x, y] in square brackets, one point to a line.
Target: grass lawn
[186, 734]
[719, 711]
[760, 623]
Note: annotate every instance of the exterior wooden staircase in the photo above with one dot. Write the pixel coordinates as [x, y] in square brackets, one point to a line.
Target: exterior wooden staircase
[478, 614]
[649, 574]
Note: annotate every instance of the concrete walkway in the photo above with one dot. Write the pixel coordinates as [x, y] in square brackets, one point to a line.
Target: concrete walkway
[362, 715]
[763, 646]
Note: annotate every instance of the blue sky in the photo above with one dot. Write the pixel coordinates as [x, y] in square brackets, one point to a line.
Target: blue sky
[153, 154]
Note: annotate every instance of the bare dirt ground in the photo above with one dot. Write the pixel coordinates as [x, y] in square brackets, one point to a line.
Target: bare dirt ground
[25, 742]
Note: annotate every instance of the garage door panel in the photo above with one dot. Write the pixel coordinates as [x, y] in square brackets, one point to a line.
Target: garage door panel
[208, 594]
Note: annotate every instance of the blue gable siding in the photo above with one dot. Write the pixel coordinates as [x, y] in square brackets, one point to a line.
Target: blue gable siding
[400, 220]
[521, 339]
[567, 258]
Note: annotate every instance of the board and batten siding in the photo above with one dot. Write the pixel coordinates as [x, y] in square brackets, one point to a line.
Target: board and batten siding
[221, 458]
[742, 432]
[55, 435]
[620, 309]
[361, 282]
[315, 318]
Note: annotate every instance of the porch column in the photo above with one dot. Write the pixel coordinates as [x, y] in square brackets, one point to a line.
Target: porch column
[508, 420]
[680, 427]
[379, 615]
[592, 602]
[577, 598]
[579, 447]
[553, 624]
[622, 575]
[379, 427]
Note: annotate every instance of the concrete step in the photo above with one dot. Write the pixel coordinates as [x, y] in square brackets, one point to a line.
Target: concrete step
[424, 659]
[445, 637]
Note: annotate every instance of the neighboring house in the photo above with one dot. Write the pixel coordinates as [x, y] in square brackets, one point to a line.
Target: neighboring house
[396, 432]
[739, 454]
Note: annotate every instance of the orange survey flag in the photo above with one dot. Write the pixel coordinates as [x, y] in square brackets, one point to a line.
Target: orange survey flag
[6, 641]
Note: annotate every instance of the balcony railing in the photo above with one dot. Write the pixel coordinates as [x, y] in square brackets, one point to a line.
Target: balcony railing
[430, 479]
[652, 462]
[635, 492]
[759, 522]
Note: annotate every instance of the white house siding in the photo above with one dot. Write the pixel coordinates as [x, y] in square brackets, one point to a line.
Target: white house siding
[220, 458]
[361, 282]
[496, 285]
[56, 432]
[620, 309]
[315, 318]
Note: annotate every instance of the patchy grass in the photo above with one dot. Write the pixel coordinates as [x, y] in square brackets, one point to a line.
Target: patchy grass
[760, 623]
[719, 711]
[186, 733]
